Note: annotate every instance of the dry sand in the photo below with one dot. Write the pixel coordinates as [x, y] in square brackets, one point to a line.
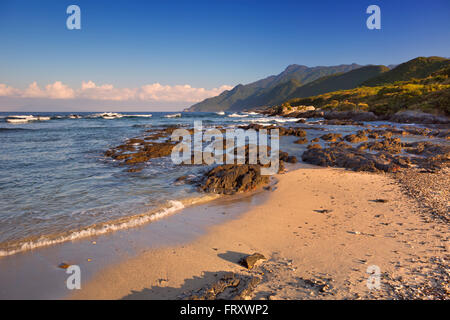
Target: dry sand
[311, 254]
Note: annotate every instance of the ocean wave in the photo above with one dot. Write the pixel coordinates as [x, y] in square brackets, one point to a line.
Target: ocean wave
[172, 207]
[123, 223]
[236, 115]
[175, 115]
[14, 129]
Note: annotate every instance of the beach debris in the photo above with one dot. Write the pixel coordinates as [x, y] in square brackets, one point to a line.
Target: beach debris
[250, 261]
[324, 211]
[380, 200]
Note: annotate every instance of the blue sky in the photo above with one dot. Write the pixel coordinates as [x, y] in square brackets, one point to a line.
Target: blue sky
[202, 44]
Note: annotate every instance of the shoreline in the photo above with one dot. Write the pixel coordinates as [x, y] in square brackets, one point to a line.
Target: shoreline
[34, 274]
[319, 227]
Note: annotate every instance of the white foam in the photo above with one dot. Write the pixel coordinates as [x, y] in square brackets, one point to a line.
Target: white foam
[235, 115]
[176, 115]
[135, 221]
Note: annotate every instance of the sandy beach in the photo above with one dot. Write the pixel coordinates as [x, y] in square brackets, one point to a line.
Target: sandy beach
[320, 230]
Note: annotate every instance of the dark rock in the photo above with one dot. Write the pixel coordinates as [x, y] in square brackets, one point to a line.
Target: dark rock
[314, 146]
[331, 136]
[352, 158]
[337, 122]
[391, 145]
[301, 141]
[249, 261]
[351, 115]
[231, 286]
[231, 178]
[411, 116]
[284, 156]
[356, 138]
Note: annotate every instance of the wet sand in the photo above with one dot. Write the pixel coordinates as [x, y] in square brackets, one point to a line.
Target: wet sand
[320, 230]
[34, 274]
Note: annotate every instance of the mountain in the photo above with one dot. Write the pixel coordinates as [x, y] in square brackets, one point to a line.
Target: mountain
[340, 81]
[294, 89]
[430, 93]
[417, 68]
[252, 95]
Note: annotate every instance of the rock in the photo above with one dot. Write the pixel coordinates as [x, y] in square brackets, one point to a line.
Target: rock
[331, 136]
[412, 116]
[301, 141]
[351, 115]
[314, 146]
[356, 138]
[250, 261]
[231, 286]
[337, 122]
[232, 178]
[353, 159]
[284, 156]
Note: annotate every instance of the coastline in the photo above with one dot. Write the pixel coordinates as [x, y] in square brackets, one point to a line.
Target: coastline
[34, 274]
[306, 247]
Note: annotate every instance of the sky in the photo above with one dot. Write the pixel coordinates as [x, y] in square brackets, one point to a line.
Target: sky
[167, 55]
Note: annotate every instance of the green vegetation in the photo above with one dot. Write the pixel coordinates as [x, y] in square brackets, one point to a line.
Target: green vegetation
[339, 81]
[421, 84]
[417, 68]
[430, 94]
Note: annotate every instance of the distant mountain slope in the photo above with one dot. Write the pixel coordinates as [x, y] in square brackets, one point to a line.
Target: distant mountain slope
[417, 68]
[428, 94]
[342, 81]
[250, 95]
[294, 89]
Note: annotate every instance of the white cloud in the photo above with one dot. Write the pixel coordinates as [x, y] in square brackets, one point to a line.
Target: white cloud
[56, 90]
[8, 91]
[90, 90]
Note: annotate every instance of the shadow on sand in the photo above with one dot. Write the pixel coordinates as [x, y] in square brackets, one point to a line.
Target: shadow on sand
[157, 292]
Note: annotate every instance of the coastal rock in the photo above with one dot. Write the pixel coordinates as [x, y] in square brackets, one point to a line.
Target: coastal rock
[250, 261]
[390, 145]
[314, 146]
[331, 137]
[412, 116]
[354, 159]
[284, 156]
[231, 178]
[301, 141]
[356, 138]
[345, 122]
[351, 115]
[231, 286]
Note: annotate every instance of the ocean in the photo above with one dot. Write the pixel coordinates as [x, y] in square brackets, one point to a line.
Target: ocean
[56, 185]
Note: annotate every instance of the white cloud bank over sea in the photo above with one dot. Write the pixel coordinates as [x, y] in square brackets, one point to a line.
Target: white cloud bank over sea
[92, 95]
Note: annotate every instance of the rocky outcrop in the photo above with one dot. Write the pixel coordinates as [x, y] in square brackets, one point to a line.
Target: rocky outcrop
[332, 137]
[232, 178]
[231, 286]
[411, 116]
[360, 136]
[350, 115]
[345, 156]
